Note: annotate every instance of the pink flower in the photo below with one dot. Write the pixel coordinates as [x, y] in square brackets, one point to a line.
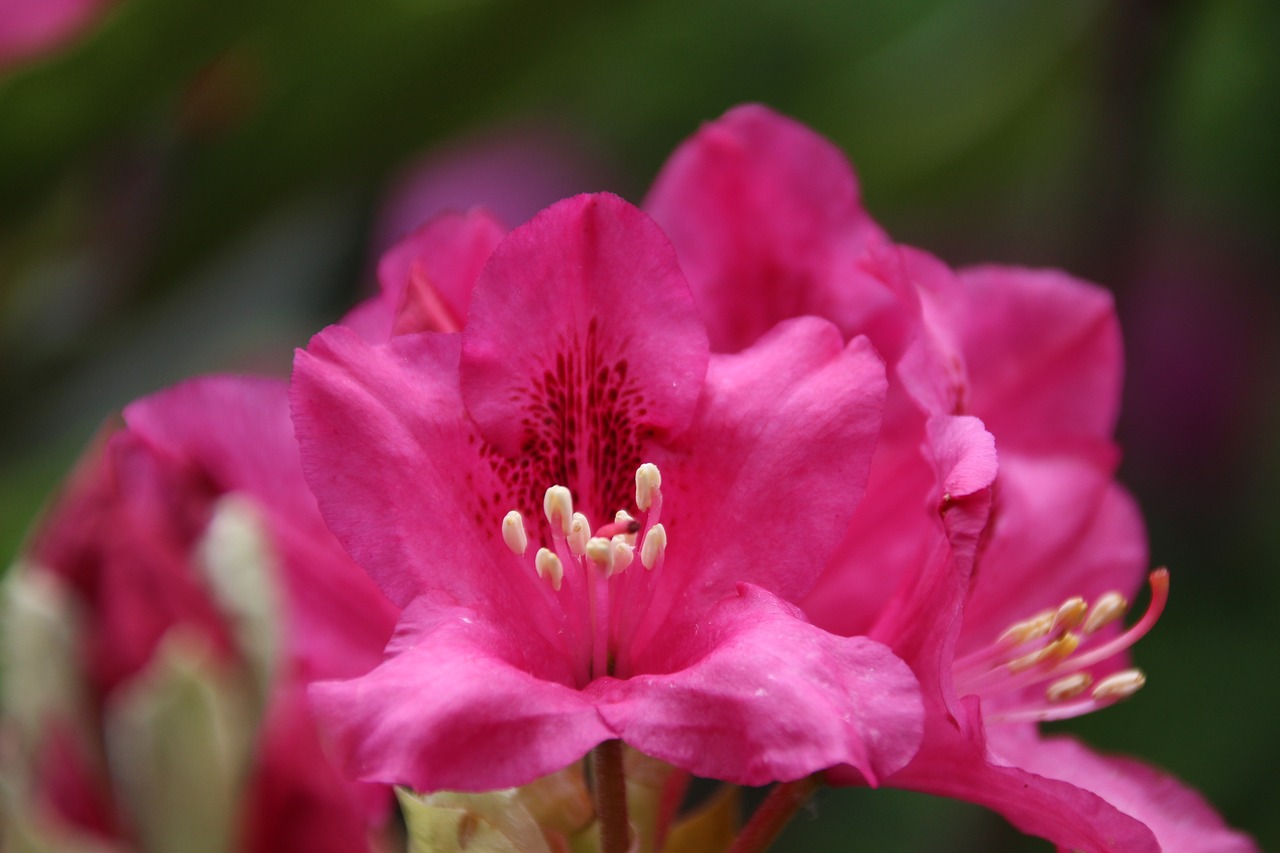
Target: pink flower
[595, 527]
[32, 27]
[195, 584]
[942, 555]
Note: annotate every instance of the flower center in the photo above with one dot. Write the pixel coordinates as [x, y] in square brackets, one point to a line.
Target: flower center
[582, 563]
[1038, 669]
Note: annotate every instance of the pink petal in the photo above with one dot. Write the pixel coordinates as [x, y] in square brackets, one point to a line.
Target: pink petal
[461, 703]
[964, 455]
[1056, 511]
[428, 275]
[957, 765]
[889, 535]
[1043, 353]
[1180, 819]
[763, 485]
[754, 694]
[236, 431]
[122, 537]
[766, 217]
[581, 345]
[400, 477]
[296, 800]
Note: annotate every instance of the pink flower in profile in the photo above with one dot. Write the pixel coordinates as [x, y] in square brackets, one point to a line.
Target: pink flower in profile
[593, 525]
[195, 584]
[942, 555]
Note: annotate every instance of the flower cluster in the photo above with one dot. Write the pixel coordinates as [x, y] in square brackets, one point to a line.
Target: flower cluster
[730, 479]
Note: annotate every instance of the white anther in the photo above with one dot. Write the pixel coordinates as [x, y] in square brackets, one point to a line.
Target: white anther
[623, 517]
[1120, 685]
[600, 551]
[579, 533]
[1070, 614]
[1068, 688]
[513, 533]
[1107, 609]
[655, 542]
[623, 552]
[648, 481]
[558, 505]
[1029, 629]
[548, 565]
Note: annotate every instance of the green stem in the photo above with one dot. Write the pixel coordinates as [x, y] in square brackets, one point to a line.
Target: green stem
[773, 815]
[611, 798]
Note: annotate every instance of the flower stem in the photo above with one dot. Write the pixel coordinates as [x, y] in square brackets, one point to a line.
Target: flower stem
[611, 798]
[773, 815]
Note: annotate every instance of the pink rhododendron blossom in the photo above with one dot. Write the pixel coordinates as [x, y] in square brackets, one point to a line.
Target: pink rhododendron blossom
[594, 526]
[944, 554]
[151, 575]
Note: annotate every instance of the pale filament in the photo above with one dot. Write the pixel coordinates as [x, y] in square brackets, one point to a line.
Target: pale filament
[580, 563]
[1055, 647]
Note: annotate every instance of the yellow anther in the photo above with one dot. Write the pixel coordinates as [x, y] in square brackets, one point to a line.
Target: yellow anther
[548, 565]
[1120, 685]
[1027, 630]
[655, 542]
[1070, 614]
[600, 551]
[1069, 687]
[1059, 650]
[513, 533]
[579, 533]
[1107, 609]
[558, 505]
[623, 552]
[648, 482]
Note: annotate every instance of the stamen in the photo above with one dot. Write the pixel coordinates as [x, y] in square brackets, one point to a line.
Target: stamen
[1070, 614]
[1060, 649]
[1120, 685]
[513, 533]
[1107, 609]
[655, 543]
[623, 553]
[579, 533]
[558, 505]
[1030, 629]
[548, 564]
[600, 551]
[1159, 581]
[1069, 687]
[648, 481]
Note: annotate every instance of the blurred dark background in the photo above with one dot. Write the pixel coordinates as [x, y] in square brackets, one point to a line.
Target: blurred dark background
[189, 186]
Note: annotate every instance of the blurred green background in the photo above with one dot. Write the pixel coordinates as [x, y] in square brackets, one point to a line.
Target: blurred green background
[192, 186]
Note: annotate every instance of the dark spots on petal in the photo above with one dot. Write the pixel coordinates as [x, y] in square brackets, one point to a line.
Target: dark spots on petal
[582, 426]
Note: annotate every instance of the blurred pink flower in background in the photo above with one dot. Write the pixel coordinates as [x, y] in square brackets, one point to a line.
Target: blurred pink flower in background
[195, 591]
[29, 28]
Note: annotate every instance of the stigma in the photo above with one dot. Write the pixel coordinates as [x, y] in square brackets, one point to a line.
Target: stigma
[1042, 668]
